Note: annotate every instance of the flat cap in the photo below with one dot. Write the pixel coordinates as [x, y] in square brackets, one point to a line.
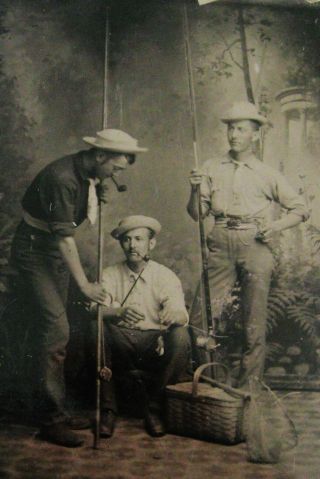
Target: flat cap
[135, 221]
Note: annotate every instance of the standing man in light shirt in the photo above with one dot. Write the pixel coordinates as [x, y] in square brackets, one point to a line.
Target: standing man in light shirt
[44, 251]
[239, 191]
[145, 320]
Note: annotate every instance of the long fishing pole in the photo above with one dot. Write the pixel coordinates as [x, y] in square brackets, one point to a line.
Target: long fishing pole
[99, 332]
[204, 253]
[100, 350]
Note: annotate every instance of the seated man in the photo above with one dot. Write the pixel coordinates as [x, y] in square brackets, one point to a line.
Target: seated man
[145, 322]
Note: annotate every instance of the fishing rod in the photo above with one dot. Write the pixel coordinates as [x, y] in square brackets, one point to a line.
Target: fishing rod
[145, 258]
[104, 373]
[204, 253]
[100, 332]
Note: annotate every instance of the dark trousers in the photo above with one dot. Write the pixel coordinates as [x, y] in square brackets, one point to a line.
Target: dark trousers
[44, 289]
[131, 349]
[237, 255]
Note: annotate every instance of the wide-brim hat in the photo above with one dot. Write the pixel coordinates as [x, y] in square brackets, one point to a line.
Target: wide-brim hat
[244, 110]
[115, 140]
[133, 222]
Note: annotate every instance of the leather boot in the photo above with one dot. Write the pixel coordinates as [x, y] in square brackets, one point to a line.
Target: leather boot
[153, 424]
[60, 434]
[78, 423]
[107, 423]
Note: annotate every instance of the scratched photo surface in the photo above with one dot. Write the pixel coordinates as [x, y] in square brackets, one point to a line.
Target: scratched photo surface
[69, 67]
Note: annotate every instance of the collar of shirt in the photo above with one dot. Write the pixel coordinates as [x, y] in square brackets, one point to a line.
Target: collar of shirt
[249, 162]
[83, 164]
[145, 276]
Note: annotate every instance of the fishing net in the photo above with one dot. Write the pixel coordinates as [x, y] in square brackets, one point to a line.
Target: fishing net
[268, 428]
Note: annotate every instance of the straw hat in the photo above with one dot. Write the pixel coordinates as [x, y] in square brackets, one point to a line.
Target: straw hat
[244, 110]
[114, 140]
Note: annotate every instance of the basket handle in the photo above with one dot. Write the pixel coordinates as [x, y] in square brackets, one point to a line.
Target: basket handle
[200, 369]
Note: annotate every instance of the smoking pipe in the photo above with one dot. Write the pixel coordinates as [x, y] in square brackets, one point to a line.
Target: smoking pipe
[120, 188]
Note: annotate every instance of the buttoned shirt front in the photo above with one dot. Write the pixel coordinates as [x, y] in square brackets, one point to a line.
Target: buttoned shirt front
[247, 189]
[157, 293]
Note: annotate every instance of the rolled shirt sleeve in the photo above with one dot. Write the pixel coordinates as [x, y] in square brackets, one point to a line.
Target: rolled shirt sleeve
[172, 299]
[286, 196]
[58, 200]
[249, 191]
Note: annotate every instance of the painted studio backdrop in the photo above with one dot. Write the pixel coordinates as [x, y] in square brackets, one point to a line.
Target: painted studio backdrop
[53, 80]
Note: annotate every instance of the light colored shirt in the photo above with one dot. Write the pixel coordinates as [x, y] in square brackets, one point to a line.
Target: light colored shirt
[247, 189]
[157, 294]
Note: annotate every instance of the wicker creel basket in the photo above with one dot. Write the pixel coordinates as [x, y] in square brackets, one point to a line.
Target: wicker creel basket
[205, 412]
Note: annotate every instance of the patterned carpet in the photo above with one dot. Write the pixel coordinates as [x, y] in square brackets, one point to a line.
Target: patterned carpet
[131, 453]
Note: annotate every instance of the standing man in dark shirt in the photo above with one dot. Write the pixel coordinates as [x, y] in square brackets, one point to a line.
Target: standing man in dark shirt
[44, 251]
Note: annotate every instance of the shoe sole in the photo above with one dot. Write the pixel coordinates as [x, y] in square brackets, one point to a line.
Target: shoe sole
[51, 440]
[57, 443]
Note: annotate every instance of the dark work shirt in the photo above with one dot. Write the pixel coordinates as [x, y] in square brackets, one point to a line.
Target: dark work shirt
[59, 193]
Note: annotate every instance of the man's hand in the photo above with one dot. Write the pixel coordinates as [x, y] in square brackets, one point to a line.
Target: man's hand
[195, 178]
[266, 234]
[102, 192]
[94, 291]
[177, 318]
[130, 315]
[91, 308]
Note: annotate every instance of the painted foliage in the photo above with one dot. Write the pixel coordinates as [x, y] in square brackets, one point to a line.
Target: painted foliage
[51, 85]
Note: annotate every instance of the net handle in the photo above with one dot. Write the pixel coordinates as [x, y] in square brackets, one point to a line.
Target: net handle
[278, 401]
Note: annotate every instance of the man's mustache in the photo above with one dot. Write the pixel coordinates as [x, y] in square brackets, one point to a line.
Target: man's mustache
[145, 257]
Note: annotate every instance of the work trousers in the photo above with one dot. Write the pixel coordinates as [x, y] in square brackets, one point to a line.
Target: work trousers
[44, 290]
[235, 254]
[128, 350]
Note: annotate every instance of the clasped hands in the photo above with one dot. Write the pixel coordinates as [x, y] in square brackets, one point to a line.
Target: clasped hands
[127, 315]
[130, 316]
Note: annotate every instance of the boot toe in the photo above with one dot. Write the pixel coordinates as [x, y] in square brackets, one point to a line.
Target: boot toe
[61, 435]
[78, 423]
[154, 425]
